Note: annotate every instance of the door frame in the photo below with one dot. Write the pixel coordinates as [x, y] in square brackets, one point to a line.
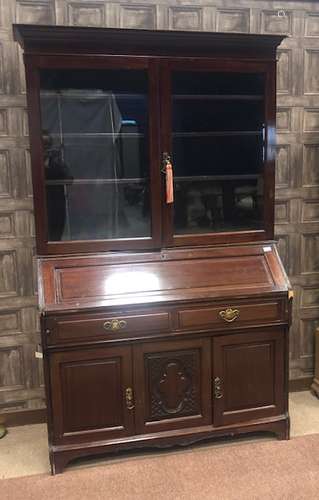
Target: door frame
[168, 65]
[34, 63]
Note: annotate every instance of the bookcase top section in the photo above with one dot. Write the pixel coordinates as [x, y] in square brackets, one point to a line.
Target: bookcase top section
[130, 279]
[40, 39]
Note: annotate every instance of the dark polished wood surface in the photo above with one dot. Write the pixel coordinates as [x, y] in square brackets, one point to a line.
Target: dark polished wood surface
[156, 344]
[159, 53]
[212, 364]
[253, 393]
[64, 39]
[84, 409]
[74, 283]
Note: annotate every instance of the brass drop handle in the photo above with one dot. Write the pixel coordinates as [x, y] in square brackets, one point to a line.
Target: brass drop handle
[218, 392]
[115, 324]
[129, 396]
[229, 314]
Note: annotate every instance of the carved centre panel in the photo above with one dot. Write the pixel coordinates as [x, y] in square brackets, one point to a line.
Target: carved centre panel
[174, 384]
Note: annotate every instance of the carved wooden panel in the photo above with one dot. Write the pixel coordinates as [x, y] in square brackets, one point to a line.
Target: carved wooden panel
[86, 14]
[276, 21]
[312, 24]
[35, 11]
[138, 15]
[297, 160]
[284, 117]
[170, 381]
[311, 77]
[185, 18]
[173, 384]
[284, 71]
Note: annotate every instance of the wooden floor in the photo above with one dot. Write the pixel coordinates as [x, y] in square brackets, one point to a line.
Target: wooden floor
[24, 452]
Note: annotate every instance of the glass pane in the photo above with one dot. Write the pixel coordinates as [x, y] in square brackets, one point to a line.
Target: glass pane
[95, 137]
[218, 151]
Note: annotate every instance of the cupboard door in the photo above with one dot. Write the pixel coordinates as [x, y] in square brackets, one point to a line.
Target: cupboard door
[215, 132]
[89, 394]
[97, 154]
[248, 376]
[173, 385]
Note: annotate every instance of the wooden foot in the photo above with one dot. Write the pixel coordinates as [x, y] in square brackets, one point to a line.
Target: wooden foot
[58, 462]
[283, 430]
[3, 431]
[315, 387]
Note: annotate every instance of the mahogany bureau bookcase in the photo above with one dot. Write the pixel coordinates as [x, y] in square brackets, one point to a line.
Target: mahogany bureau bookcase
[165, 308]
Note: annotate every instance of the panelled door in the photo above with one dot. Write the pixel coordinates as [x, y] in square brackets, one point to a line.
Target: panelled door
[92, 396]
[248, 376]
[172, 385]
[215, 132]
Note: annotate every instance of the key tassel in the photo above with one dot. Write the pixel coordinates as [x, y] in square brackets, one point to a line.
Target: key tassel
[169, 183]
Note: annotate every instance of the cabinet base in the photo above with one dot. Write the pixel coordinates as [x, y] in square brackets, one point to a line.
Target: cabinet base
[61, 455]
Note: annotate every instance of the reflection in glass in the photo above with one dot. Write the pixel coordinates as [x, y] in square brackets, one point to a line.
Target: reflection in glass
[218, 151]
[94, 132]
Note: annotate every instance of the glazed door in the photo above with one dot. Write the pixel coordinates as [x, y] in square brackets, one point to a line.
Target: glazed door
[92, 394]
[172, 385]
[94, 129]
[216, 132]
[248, 376]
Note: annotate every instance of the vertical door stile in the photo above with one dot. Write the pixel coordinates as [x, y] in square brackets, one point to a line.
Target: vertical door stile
[166, 144]
[155, 151]
[128, 385]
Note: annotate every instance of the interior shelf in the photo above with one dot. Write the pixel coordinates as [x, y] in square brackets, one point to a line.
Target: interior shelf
[233, 97]
[59, 182]
[204, 178]
[87, 94]
[219, 133]
[98, 134]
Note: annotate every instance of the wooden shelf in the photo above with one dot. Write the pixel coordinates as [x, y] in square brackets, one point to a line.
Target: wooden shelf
[142, 180]
[219, 134]
[218, 97]
[60, 182]
[205, 178]
[98, 135]
[87, 94]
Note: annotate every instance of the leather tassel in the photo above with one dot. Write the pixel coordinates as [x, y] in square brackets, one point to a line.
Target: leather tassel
[169, 183]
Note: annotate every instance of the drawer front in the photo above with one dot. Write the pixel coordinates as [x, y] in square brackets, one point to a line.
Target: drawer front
[231, 315]
[105, 327]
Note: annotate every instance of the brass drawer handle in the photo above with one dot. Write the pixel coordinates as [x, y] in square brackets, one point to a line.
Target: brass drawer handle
[129, 399]
[115, 325]
[229, 314]
[218, 393]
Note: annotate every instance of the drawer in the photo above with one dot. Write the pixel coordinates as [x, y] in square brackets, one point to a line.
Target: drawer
[228, 315]
[84, 327]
